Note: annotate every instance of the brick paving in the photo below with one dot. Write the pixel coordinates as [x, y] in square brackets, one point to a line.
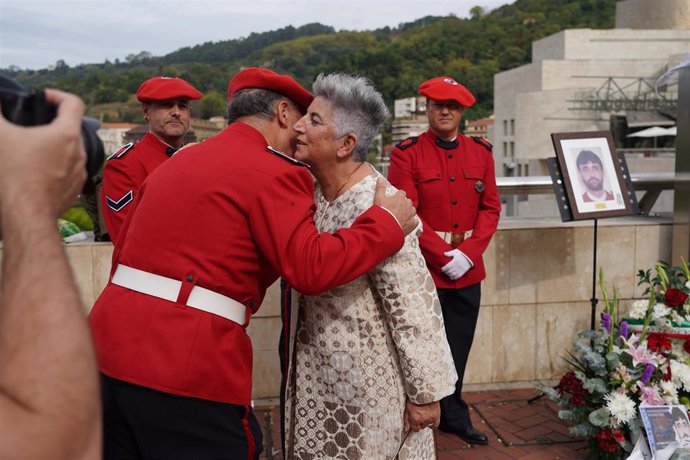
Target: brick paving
[516, 429]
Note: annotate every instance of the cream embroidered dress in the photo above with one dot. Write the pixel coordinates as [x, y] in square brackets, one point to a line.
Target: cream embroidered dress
[361, 349]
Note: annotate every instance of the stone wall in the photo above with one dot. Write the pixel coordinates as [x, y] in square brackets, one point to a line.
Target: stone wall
[653, 14]
[568, 68]
[535, 298]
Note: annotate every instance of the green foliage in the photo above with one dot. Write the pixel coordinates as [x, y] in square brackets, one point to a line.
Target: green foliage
[667, 276]
[213, 104]
[397, 59]
[78, 216]
[599, 417]
[595, 385]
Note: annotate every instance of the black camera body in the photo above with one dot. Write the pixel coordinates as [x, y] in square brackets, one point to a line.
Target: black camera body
[30, 108]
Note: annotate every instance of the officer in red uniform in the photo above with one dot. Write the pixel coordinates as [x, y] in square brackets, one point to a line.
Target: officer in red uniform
[212, 229]
[450, 179]
[166, 105]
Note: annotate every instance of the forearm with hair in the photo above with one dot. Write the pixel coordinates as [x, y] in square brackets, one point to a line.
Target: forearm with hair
[48, 375]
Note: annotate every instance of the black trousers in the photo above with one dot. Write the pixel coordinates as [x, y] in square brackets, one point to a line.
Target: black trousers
[141, 423]
[460, 312]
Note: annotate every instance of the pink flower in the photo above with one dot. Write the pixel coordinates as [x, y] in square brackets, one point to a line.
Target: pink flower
[640, 355]
[651, 396]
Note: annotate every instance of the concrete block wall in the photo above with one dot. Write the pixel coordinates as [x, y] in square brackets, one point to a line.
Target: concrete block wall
[656, 14]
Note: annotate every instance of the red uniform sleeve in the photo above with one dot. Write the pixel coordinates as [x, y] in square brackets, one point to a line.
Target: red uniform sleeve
[401, 176]
[283, 226]
[488, 213]
[120, 185]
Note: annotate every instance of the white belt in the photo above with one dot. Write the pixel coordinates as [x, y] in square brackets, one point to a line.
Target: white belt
[448, 237]
[169, 289]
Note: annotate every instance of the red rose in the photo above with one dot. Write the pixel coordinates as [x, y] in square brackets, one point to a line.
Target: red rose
[608, 441]
[658, 343]
[618, 435]
[570, 387]
[674, 297]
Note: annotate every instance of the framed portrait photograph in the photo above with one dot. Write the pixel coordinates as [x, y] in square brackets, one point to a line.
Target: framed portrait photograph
[667, 428]
[593, 176]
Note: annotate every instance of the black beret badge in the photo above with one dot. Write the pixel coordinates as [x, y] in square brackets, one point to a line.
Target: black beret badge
[479, 186]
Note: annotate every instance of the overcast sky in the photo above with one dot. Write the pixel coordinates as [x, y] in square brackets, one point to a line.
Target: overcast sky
[35, 34]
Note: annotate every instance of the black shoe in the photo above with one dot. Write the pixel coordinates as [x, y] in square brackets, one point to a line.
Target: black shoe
[467, 434]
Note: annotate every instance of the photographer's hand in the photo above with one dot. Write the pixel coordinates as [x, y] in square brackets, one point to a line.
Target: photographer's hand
[49, 387]
[43, 171]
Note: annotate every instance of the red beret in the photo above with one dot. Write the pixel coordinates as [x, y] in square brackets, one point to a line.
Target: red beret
[447, 89]
[162, 88]
[255, 77]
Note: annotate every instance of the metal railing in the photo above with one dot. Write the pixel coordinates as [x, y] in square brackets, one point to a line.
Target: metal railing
[650, 183]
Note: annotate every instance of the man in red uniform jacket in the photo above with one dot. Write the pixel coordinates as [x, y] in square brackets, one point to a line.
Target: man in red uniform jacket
[450, 179]
[212, 229]
[166, 106]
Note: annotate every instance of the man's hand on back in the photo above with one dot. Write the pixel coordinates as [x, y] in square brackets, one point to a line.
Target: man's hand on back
[397, 204]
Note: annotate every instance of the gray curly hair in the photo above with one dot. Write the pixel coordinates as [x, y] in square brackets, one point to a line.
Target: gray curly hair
[357, 108]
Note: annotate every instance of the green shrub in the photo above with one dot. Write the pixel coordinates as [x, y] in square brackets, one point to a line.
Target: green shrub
[78, 216]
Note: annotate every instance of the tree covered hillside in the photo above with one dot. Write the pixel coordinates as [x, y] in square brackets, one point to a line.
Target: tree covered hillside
[397, 59]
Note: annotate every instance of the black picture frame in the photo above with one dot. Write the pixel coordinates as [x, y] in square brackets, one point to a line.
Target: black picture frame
[595, 180]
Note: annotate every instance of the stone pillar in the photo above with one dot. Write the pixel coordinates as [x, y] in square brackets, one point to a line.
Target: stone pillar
[653, 14]
[681, 205]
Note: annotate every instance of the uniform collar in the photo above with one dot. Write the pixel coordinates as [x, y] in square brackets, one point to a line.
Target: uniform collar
[248, 131]
[444, 144]
[157, 143]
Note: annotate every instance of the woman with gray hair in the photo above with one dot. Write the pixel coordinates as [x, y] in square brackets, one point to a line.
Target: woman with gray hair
[369, 360]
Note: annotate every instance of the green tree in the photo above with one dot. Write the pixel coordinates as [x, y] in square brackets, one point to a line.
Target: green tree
[476, 12]
[213, 104]
[397, 59]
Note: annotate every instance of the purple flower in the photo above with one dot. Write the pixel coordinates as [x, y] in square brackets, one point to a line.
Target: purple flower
[647, 374]
[624, 329]
[606, 321]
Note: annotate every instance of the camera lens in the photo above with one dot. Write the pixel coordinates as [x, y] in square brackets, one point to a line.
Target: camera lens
[30, 108]
[93, 146]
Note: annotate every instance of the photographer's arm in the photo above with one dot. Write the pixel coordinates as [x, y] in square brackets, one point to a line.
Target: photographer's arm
[49, 403]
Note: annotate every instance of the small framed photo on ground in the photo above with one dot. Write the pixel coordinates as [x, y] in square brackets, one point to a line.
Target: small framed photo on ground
[594, 177]
[667, 429]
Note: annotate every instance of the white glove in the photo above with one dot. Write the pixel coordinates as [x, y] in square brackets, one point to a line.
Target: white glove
[458, 266]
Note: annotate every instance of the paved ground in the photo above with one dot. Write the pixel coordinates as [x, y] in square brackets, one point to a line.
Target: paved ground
[516, 429]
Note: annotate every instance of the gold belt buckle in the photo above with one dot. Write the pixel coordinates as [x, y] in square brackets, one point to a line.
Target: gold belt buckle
[457, 238]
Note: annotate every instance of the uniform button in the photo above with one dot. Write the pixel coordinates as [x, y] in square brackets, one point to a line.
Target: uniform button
[454, 202]
[190, 278]
[450, 156]
[455, 225]
[452, 178]
[251, 304]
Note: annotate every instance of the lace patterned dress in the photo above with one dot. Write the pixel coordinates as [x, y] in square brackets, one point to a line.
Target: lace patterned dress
[361, 349]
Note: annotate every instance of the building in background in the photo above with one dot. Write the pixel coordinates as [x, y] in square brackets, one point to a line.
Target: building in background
[409, 118]
[207, 128]
[479, 128]
[113, 135]
[589, 80]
